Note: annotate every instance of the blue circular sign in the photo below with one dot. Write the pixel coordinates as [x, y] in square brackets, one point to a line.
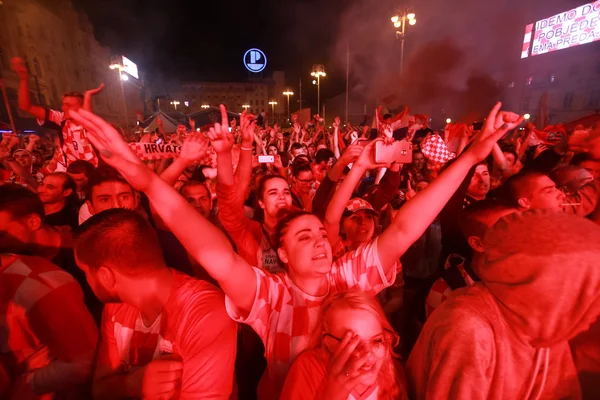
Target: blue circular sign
[255, 60]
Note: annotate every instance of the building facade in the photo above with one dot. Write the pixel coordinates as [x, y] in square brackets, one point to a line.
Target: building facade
[59, 47]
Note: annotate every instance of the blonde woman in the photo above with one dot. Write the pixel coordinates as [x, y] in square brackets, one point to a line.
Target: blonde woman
[351, 355]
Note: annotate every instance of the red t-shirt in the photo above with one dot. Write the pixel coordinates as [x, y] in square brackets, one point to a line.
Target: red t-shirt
[193, 325]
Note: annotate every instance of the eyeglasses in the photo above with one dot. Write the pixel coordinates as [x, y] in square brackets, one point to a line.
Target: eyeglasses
[305, 181]
[377, 347]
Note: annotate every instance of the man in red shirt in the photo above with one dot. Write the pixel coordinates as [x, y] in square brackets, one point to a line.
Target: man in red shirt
[163, 332]
[47, 337]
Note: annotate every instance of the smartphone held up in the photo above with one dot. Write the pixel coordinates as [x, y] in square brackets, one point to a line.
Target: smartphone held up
[399, 152]
[266, 159]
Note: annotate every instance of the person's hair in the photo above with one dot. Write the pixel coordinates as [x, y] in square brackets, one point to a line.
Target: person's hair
[517, 186]
[284, 218]
[470, 220]
[579, 158]
[77, 95]
[121, 238]
[295, 146]
[81, 167]
[194, 183]
[39, 156]
[102, 175]
[389, 387]
[509, 148]
[273, 144]
[301, 168]
[20, 202]
[285, 159]
[323, 155]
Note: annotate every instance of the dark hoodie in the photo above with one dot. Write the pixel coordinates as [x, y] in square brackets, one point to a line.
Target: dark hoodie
[506, 337]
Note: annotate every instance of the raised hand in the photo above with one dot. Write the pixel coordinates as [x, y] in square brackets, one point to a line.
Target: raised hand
[96, 90]
[336, 122]
[194, 147]
[351, 154]
[277, 163]
[113, 149]
[248, 127]
[159, 121]
[19, 66]
[219, 135]
[496, 125]
[192, 123]
[366, 159]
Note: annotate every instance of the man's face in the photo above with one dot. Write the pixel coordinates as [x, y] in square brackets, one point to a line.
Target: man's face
[52, 190]
[15, 234]
[359, 227]
[199, 198]
[543, 194]
[297, 152]
[593, 167]
[480, 183]
[70, 104]
[304, 181]
[81, 181]
[114, 194]
[23, 158]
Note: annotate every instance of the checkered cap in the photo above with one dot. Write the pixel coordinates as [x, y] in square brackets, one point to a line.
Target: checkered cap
[435, 150]
[358, 204]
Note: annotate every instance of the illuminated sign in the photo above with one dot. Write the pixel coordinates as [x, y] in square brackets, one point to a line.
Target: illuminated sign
[130, 67]
[255, 60]
[578, 26]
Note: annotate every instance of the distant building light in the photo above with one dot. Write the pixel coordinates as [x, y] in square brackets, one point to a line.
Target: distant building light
[187, 103]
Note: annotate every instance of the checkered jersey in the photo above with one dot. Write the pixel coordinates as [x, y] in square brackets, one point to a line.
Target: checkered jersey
[435, 150]
[284, 317]
[440, 290]
[25, 282]
[76, 144]
[193, 325]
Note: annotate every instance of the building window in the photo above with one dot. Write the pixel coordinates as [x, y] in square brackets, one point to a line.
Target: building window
[37, 67]
[568, 100]
[48, 63]
[262, 103]
[595, 98]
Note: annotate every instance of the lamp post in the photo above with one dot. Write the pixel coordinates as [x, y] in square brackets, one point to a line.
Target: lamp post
[122, 77]
[318, 70]
[246, 107]
[288, 93]
[205, 106]
[175, 103]
[273, 103]
[399, 22]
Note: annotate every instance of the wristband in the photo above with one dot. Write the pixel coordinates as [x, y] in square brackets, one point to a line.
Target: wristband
[246, 148]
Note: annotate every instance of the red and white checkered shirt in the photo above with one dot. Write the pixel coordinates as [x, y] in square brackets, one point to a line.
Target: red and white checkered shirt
[42, 318]
[193, 325]
[76, 144]
[440, 290]
[284, 316]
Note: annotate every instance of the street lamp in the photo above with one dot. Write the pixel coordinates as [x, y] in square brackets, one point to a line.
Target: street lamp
[289, 93]
[205, 106]
[527, 116]
[399, 22]
[175, 103]
[318, 70]
[273, 103]
[448, 120]
[122, 77]
[245, 106]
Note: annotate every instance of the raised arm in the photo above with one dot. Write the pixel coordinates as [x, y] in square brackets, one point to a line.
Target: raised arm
[87, 97]
[204, 241]
[20, 68]
[343, 194]
[415, 216]
[193, 149]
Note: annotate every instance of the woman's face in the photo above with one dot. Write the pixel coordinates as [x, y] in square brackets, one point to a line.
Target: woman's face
[359, 227]
[305, 248]
[418, 161]
[366, 325]
[276, 196]
[272, 151]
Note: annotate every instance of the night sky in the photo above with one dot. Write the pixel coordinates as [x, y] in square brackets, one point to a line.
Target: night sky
[206, 39]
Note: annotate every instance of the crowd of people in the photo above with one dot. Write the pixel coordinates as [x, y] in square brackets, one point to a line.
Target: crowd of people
[270, 263]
